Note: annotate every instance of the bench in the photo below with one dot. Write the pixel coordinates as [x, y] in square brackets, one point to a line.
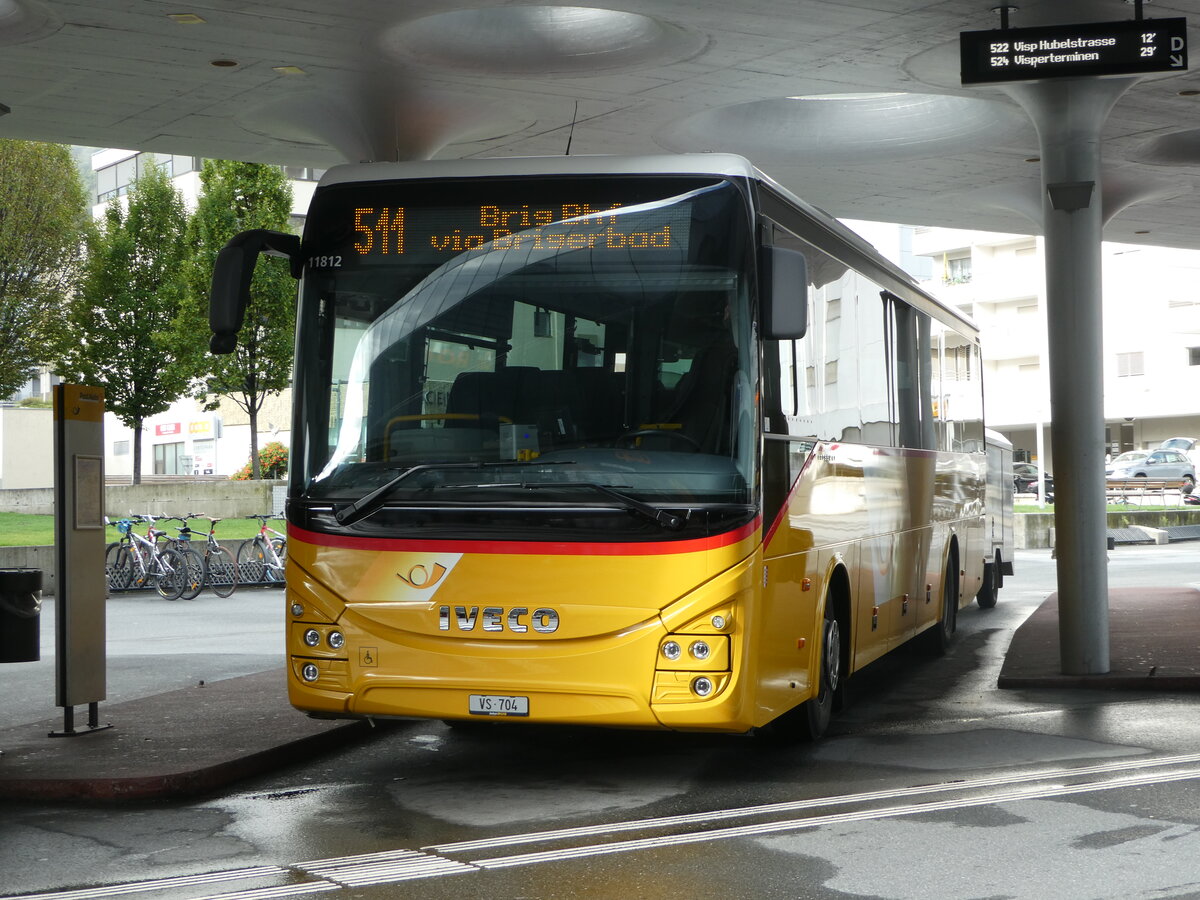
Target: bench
[1125, 490]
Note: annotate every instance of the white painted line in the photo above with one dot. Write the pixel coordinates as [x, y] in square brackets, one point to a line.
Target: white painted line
[137, 887]
[281, 891]
[525, 859]
[815, 803]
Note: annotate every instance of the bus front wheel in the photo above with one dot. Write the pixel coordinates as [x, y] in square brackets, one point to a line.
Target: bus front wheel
[810, 720]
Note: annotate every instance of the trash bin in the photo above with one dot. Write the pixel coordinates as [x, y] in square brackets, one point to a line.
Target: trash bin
[20, 615]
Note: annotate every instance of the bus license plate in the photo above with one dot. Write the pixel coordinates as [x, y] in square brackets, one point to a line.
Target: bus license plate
[495, 705]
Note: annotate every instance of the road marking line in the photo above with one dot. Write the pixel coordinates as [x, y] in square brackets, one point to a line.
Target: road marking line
[156, 884]
[798, 805]
[384, 868]
[281, 891]
[525, 859]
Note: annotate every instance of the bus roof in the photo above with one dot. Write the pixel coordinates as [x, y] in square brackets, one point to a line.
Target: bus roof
[724, 164]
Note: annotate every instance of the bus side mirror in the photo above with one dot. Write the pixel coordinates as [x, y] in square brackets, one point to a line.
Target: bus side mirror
[783, 274]
[230, 294]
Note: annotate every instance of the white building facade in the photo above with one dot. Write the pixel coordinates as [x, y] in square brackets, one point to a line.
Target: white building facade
[1151, 335]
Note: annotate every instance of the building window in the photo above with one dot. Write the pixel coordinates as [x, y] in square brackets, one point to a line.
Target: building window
[302, 173]
[1194, 356]
[957, 271]
[115, 180]
[167, 459]
[1131, 364]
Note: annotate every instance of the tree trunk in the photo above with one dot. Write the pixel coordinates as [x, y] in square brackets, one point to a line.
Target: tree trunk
[137, 453]
[255, 466]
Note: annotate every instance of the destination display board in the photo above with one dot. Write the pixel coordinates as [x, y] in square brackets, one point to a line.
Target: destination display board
[1131, 47]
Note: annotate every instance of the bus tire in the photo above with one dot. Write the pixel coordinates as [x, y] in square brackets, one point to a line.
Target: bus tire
[989, 591]
[810, 720]
[941, 635]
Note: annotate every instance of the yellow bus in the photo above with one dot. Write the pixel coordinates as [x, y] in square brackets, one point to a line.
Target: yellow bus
[642, 442]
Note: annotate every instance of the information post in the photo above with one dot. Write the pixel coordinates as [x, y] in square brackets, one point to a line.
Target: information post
[80, 587]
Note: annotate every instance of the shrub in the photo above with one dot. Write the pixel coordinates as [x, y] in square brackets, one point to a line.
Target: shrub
[272, 463]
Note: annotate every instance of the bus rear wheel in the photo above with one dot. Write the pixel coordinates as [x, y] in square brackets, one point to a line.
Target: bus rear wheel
[989, 590]
[941, 635]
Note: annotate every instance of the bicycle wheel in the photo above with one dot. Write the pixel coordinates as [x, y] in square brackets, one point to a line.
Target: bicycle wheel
[194, 582]
[172, 577]
[220, 571]
[251, 562]
[274, 573]
[118, 570]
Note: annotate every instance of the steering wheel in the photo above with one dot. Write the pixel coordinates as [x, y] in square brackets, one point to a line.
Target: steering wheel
[630, 437]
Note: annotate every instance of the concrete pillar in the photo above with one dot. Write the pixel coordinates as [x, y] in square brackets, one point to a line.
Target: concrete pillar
[1069, 115]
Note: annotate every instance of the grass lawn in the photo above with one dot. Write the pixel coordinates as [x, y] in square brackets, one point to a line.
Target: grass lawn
[22, 530]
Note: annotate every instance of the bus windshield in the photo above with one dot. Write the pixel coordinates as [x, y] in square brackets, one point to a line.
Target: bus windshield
[552, 341]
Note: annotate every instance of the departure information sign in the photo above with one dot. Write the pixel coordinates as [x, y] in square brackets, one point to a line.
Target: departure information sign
[1131, 47]
[396, 230]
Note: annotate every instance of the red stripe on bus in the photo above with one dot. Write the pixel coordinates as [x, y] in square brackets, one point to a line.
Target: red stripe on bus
[534, 548]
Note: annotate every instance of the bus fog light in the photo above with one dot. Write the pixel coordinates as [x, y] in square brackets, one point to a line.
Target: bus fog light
[671, 650]
[312, 637]
[297, 610]
[702, 686]
[337, 640]
[310, 672]
[700, 650]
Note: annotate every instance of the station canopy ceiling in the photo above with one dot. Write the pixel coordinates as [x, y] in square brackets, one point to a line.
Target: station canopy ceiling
[856, 105]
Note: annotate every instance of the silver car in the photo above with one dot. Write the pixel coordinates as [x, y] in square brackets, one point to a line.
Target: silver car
[1163, 465]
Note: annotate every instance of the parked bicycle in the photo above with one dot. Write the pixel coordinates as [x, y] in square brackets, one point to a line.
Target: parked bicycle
[261, 559]
[140, 560]
[220, 567]
[117, 572]
[193, 561]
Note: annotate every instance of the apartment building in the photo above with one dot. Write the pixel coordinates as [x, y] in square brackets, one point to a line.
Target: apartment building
[1151, 334]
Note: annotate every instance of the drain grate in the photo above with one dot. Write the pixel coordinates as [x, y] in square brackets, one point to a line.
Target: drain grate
[1129, 536]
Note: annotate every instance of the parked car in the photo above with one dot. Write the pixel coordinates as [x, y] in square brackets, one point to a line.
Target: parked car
[1025, 480]
[1164, 465]
[1189, 447]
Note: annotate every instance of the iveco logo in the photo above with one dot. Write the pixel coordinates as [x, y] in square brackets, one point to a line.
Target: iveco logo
[495, 618]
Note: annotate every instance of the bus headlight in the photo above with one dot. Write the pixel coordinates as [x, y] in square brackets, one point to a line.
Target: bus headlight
[700, 650]
[702, 686]
[671, 650]
[312, 637]
[311, 673]
[337, 640]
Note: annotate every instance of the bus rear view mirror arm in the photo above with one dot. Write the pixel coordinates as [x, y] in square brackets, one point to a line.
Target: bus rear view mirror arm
[231, 280]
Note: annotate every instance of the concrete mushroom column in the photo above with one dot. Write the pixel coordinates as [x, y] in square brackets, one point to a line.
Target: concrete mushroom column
[1069, 115]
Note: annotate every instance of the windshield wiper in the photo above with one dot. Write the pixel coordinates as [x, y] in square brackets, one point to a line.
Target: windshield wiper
[653, 513]
[371, 502]
[633, 504]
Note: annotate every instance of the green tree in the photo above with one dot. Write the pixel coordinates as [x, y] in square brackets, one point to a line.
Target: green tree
[119, 325]
[43, 217]
[235, 197]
